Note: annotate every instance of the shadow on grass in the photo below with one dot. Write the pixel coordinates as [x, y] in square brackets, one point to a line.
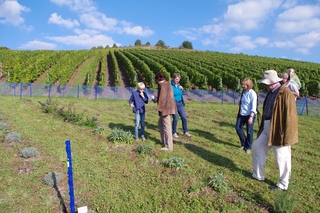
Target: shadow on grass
[212, 157]
[63, 205]
[209, 136]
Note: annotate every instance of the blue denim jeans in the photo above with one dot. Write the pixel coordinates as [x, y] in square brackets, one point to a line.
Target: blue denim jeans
[139, 120]
[183, 116]
[246, 141]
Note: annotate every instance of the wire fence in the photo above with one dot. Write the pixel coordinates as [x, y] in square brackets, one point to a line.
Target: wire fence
[305, 105]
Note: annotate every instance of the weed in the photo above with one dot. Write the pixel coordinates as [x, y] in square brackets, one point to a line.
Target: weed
[93, 122]
[13, 137]
[285, 201]
[218, 183]
[1, 117]
[99, 130]
[53, 178]
[4, 126]
[70, 114]
[175, 162]
[118, 135]
[29, 152]
[49, 106]
[144, 149]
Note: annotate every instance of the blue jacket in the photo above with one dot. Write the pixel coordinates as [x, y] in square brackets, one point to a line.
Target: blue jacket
[138, 101]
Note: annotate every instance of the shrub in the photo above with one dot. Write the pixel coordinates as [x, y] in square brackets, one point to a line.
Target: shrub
[13, 137]
[99, 130]
[53, 178]
[144, 149]
[49, 106]
[4, 126]
[120, 136]
[175, 162]
[29, 152]
[1, 117]
[93, 122]
[218, 183]
[70, 114]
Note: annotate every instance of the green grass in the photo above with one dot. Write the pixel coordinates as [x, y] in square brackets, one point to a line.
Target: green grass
[109, 178]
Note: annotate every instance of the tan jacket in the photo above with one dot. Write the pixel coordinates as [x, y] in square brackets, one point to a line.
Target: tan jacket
[166, 102]
[284, 121]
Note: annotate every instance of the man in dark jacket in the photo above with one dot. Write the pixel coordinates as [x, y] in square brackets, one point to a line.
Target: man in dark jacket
[278, 130]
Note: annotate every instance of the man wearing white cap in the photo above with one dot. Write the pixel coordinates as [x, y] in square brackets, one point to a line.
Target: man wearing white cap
[278, 130]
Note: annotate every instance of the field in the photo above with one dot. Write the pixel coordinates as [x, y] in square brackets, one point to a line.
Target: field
[114, 178]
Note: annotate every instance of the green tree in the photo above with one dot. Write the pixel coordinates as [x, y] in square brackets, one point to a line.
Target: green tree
[137, 43]
[114, 45]
[160, 43]
[187, 45]
[148, 43]
[313, 88]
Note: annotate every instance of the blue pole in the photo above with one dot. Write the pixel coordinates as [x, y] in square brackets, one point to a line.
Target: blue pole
[222, 96]
[20, 91]
[307, 105]
[95, 92]
[78, 94]
[30, 89]
[15, 89]
[49, 90]
[70, 179]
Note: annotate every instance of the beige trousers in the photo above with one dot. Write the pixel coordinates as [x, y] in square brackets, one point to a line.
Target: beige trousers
[165, 128]
[282, 156]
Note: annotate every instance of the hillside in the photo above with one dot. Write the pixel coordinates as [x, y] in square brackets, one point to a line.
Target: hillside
[127, 66]
[110, 177]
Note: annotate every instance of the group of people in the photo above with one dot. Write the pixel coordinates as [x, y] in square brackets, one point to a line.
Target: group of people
[169, 103]
[278, 129]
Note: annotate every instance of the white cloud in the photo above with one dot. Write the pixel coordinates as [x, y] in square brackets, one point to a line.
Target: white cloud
[289, 4]
[137, 30]
[307, 40]
[98, 21]
[10, 11]
[55, 19]
[299, 19]
[282, 44]
[76, 5]
[245, 42]
[304, 51]
[190, 35]
[38, 45]
[249, 14]
[84, 40]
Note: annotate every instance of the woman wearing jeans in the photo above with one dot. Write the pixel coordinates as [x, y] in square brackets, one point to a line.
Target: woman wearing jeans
[137, 102]
[246, 115]
[177, 92]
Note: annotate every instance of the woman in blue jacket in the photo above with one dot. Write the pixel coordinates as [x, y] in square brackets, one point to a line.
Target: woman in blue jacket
[177, 93]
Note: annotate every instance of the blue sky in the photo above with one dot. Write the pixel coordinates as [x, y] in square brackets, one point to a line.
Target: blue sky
[273, 28]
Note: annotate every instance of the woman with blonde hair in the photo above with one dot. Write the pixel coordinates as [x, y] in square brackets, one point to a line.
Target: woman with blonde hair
[137, 102]
[246, 115]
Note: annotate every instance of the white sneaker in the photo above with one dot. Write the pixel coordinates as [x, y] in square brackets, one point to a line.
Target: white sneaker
[143, 138]
[164, 149]
[187, 134]
[175, 135]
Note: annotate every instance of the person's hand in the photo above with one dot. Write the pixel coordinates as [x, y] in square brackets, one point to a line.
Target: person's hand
[250, 121]
[141, 93]
[181, 87]
[131, 105]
